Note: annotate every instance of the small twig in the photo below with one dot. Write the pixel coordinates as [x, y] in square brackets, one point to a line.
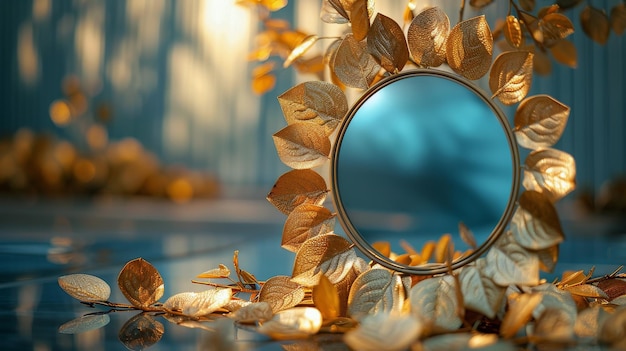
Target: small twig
[615, 275]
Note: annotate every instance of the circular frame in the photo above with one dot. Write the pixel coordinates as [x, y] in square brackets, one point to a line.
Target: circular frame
[353, 233]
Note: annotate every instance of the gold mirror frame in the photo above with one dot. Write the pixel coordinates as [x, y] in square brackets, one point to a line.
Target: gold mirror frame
[433, 268]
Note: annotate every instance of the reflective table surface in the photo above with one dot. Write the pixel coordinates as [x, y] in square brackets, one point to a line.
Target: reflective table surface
[42, 240]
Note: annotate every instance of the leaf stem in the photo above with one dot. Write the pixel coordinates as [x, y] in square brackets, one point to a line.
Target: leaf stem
[461, 10]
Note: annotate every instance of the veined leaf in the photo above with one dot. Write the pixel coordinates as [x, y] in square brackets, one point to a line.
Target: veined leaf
[427, 36]
[294, 323]
[435, 303]
[551, 171]
[221, 272]
[304, 222]
[359, 18]
[85, 287]
[375, 291]
[511, 76]
[540, 121]
[302, 145]
[140, 283]
[141, 332]
[618, 18]
[327, 254]
[469, 48]
[385, 41]
[281, 293]
[513, 32]
[297, 187]
[480, 293]
[326, 299]
[595, 24]
[520, 311]
[535, 224]
[85, 323]
[353, 64]
[253, 312]
[384, 331]
[508, 263]
[207, 302]
[301, 49]
[317, 102]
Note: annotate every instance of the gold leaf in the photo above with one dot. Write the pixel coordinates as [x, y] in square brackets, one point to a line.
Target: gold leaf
[532, 25]
[539, 121]
[572, 278]
[359, 18]
[304, 222]
[294, 323]
[221, 272]
[553, 325]
[385, 41]
[535, 224]
[140, 283]
[85, 323]
[595, 24]
[445, 245]
[85, 287]
[302, 145]
[333, 12]
[508, 263]
[384, 247]
[375, 291]
[589, 321]
[262, 78]
[353, 64]
[435, 303]
[564, 52]
[343, 287]
[555, 26]
[587, 290]
[613, 330]
[511, 76]
[555, 298]
[297, 187]
[207, 302]
[384, 331]
[427, 35]
[618, 18]
[177, 302]
[467, 236]
[141, 332]
[327, 254]
[317, 102]
[520, 311]
[281, 293]
[480, 294]
[254, 312]
[300, 50]
[326, 299]
[551, 171]
[513, 32]
[469, 48]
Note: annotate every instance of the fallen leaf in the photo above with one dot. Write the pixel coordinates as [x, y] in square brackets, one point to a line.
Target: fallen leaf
[85, 287]
[207, 302]
[520, 311]
[480, 293]
[140, 283]
[254, 312]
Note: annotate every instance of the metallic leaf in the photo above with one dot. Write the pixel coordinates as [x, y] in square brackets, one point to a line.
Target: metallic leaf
[564, 52]
[469, 48]
[304, 222]
[297, 187]
[281, 293]
[85, 323]
[508, 263]
[333, 12]
[384, 331]
[531, 24]
[535, 224]
[587, 290]
[300, 50]
[140, 283]
[551, 171]
[294, 323]
[385, 41]
[353, 64]
[480, 294]
[317, 102]
[513, 32]
[540, 121]
[375, 291]
[141, 332]
[520, 311]
[85, 287]
[253, 312]
[326, 299]
[359, 17]
[177, 302]
[435, 303]
[328, 254]
[427, 36]
[555, 26]
[207, 302]
[511, 76]
[595, 24]
[343, 286]
[302, 145]
[618, 18]
[221, 272]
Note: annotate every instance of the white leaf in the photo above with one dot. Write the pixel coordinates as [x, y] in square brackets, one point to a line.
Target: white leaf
[254, 312]
[434, 301]
[207, 302]
[480, 293]
[294, 323]
[509, 264]
[384, 331]
[375, 291]
[85, 287]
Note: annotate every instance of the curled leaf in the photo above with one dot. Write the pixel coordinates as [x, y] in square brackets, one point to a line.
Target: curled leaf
[427, 36]
[302, 145]
[375, 291]
[297, 187]
[140, 283]
[511, 76]
[294, 323]
[513, 32]
[554, 298]
[435, 303]
[281, 293]
[353, 64]
[384, 331]
[85, 323]
[328, 254]
[386, 43]
[177, 302]
[535, 224]
[85, 287]
[221, 272]
[539, 121]
[207, 302]
[304, 222]
[551, 171]
[141, 332]
[469, 48]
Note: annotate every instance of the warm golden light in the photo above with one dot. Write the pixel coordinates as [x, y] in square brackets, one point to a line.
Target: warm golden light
[84, 170]
[60, 112]
[180, 190]
[97, 137]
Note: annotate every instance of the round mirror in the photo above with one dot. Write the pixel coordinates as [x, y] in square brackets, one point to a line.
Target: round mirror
[421, 155]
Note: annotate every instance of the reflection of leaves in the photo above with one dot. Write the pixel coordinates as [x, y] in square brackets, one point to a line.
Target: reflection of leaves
[141, 332]
[281, 293]
[427, 35]
[511, 76]
[297, 187]
[384, 331]
[375, 291]
[302, 145]
[551, 171]
[353, 64]
[85, 323]
[469, 48]
[386, 43]
[535, 224]
[304, 222]
[85, 287]
[294, 323]
[140, 283]
[434, 301]
[327, 254]
[540, 121]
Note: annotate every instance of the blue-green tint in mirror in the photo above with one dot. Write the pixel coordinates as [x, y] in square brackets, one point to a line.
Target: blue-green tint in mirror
[418, 154]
